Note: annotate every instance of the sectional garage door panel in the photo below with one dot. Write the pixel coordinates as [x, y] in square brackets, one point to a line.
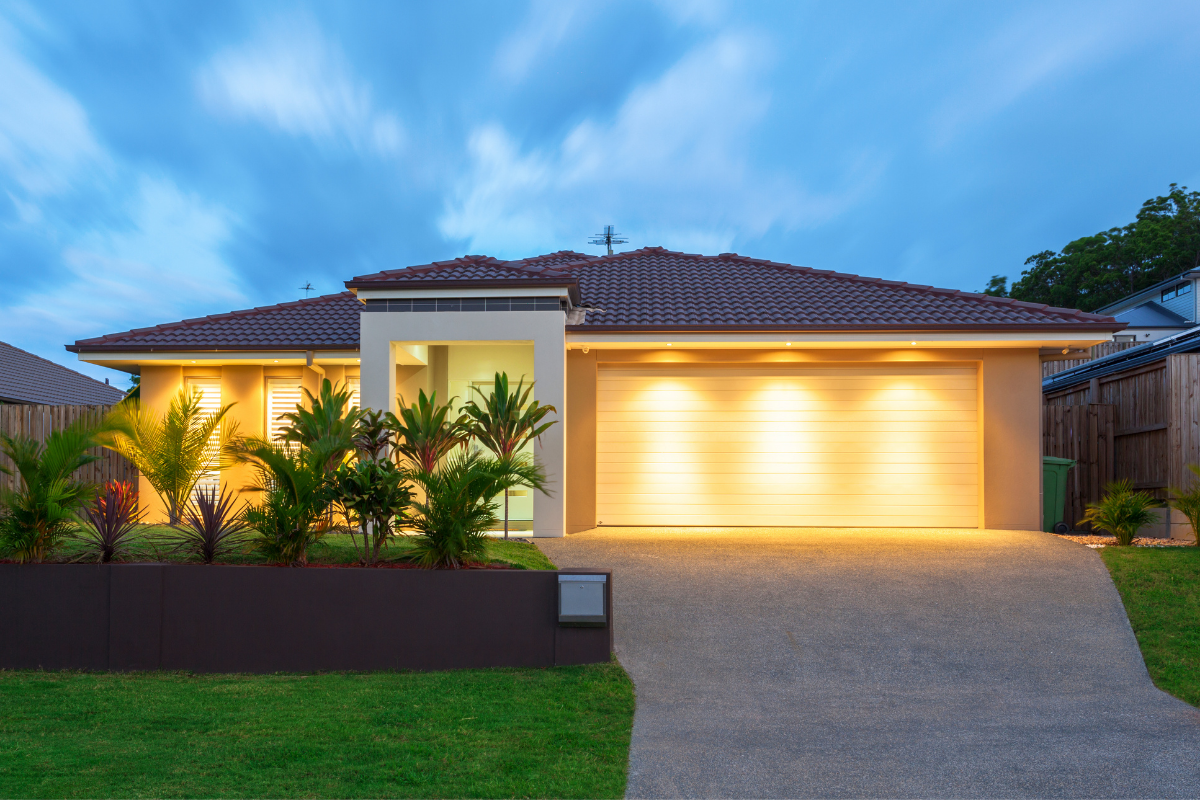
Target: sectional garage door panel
[831, 446]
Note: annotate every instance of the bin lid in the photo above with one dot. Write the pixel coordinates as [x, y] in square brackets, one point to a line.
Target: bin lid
[1057, 462]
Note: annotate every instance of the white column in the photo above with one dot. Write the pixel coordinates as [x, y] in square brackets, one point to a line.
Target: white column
[377, 373]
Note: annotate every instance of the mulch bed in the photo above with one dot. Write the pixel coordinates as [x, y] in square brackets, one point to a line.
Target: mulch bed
[1096, 541]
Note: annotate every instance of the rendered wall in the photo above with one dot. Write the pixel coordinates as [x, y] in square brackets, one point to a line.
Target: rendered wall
[159, 385]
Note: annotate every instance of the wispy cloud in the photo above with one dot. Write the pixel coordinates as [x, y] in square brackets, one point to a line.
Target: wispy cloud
[546, 24]
[153, 255]
[45, 139]
[1031, 52]
[676, 155]
[293, 79]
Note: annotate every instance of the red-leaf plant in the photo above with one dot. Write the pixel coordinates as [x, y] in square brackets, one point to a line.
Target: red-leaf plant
[109, 523]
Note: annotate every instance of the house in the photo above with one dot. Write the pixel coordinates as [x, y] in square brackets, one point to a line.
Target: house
[1145, 423]
[692, 390]
[26, 379]
[1164, 309]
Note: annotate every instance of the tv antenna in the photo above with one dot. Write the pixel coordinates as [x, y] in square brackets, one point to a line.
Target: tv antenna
[608, 238]
[306, 288]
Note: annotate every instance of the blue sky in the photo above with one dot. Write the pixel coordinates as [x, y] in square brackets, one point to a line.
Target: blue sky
[164, 160]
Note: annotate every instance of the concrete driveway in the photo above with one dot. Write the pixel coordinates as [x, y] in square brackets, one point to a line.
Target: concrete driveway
[832, 663]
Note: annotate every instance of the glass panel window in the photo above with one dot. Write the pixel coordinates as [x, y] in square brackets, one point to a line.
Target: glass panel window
[352, 385]
[209, 390]
[283, 396]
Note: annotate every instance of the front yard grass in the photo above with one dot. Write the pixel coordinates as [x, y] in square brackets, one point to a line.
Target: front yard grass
[1161, 591]
[560, 732]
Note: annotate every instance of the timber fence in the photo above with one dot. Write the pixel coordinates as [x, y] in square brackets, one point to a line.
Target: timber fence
[38, 422]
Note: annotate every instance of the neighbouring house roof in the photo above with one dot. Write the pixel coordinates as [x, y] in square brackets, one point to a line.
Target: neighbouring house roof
[648, 289]
[328, 322]
[658, 289]
[1149, 291]
[1184, 342]
[26, 378]
[1151, 315]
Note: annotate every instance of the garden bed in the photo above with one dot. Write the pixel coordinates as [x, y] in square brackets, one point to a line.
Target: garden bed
[1100, 540]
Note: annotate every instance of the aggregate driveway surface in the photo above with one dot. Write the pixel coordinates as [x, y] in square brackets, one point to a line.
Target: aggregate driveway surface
[832, 663]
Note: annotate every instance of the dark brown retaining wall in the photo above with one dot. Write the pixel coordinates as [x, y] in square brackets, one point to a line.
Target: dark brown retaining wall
[273, 619]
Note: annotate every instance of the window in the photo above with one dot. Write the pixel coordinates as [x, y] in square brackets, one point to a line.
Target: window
[355, 399]
[1176, 291]
[209, 390]
[283, 395]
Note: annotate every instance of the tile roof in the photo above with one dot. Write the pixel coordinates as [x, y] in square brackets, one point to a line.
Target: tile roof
[647, 289]
[26, 378]
[661, 289]
[328, 322]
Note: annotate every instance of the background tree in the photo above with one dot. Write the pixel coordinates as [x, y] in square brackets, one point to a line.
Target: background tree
[1094, 271]
[175, 450]
[997, 286]
[506, 422]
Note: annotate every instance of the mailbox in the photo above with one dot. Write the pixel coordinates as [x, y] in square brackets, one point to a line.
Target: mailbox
[581, 600]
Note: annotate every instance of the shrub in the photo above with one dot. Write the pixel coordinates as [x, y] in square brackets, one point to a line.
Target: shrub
[35, 517]
[1122, 512]
[1188, 502]
[174, 451]
[371, 435]
[296, 495]
[109, 523]
[210, 527]
[506, 422]
[374, 496]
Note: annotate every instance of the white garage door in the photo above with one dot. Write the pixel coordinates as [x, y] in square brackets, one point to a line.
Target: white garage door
[829, 446]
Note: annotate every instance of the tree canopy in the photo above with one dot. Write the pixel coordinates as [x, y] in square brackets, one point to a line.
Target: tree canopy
[1091, 272]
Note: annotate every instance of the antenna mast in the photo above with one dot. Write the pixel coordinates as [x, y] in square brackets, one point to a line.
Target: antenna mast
[306, 288]
[608, 238]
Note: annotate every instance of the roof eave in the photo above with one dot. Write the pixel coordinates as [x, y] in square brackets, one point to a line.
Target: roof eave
[144, 348]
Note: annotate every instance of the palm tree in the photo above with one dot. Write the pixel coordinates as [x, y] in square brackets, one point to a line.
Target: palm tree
[1122, 511]
[296, 495]
[424, 431]
[36, 516]
[455, 512]
[175, 450]
[505, 423]
[329, 419]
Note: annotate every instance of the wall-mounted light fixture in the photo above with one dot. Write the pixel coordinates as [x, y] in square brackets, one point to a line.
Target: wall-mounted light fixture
[585, 349]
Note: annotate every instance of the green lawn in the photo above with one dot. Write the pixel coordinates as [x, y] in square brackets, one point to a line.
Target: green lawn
[334, 548]
[560, 732]
[1161, 591]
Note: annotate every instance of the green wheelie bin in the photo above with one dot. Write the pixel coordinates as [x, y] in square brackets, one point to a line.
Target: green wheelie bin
[1054, 493]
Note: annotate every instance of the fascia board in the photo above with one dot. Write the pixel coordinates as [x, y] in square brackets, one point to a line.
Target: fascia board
[1005, 339]
[426, 292]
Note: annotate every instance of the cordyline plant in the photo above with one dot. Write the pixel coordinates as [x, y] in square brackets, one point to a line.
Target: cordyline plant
[374, 497]
[110, 523]
[1122, 511]
[175, 450]
[457, 511]
[36, 516]
[504, 423]
[211, 526]
[425, 432]
[1188, 502]
[329, 423]
[295, 498]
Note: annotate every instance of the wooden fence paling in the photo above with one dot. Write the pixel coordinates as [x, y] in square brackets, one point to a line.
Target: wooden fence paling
[38, 422]
[1083, 433]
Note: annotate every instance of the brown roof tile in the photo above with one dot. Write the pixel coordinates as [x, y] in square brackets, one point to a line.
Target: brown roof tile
[651, 288]
[328, 322]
